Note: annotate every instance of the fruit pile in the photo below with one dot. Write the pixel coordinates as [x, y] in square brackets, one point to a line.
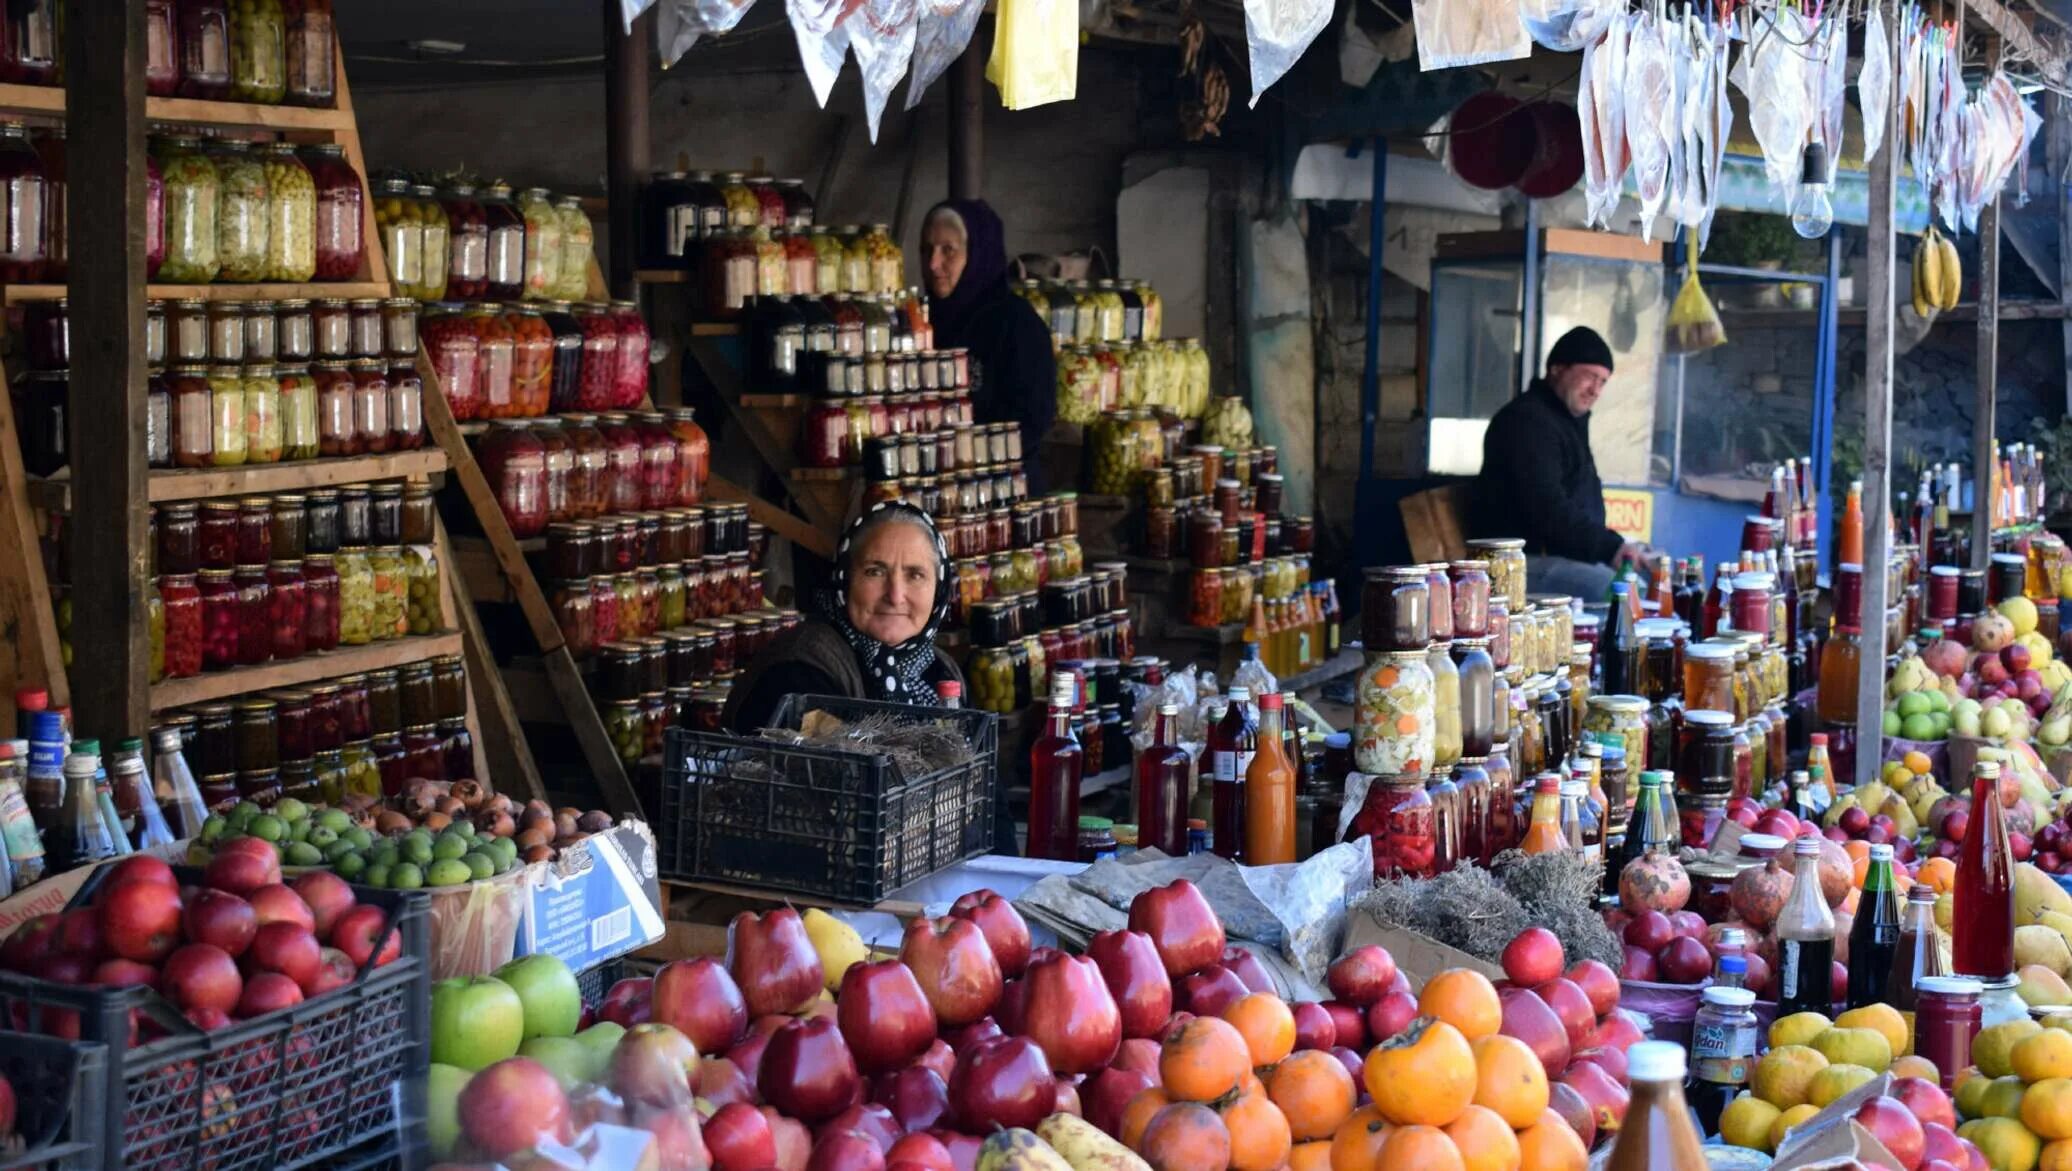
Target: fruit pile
[2016, 1098]
[2000, 687]
[1812, 1061]
[239, 946]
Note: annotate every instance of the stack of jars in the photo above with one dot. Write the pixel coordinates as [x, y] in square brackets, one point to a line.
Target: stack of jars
[1172, 376]
[1085, 312]
[734, 266]
[635, 575]
[363, 735]
[217, 50]
[1036, 604]
[677, 676]
[849, 346]
[1229, 526]
[237, 211]
[522, 361]
[679, 210]
[248, 581]
[579, 466]
[472, 243]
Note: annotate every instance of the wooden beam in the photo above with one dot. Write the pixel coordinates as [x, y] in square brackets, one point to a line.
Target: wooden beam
[104, 96]
[30, 653]
[776, 519]
[596, 743]
[2018, 38]
[625, 135]
[504, 758]
[967, 121]
[1877, 443]
[2057, 153]
[1984, 421]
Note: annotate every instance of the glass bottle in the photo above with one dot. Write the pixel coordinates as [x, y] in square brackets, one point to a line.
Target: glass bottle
[1544, 834]
[1835, 701]
[1982, 922]
[1874, 935]
[24, 234]
[1232, 742]
[1269, 796]
[1658, 1134]
[18, 828]
[1621, 654]
[1918, 955]
[1724, 1039]
[79, 837]
[1055, 761]
[1806, 938]
[135, 801]
[1164, 774]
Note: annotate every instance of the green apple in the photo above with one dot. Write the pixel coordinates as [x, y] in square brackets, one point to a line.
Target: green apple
[553, 1002]
[477, 1021]
[442, 1108]
[565, 1057]
[598, 1041]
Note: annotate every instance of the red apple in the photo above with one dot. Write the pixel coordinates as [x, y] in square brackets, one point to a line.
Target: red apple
[1349, 1022]
[1136, 978]
[1854, 821]
[512, 1106]
[1894, 1126]
[955, 967]
[275, 903]
[868, 1119]
[719, 1082]
[923, 1151]
[1247, 968]
[267, 992]
[208, 1020]
[121, 974]
[137, 868]
[884, 1016]
[1531, 1020]
[201, 975]
[1108, 1092]
[1004, 1082]
[1181, 924]
[963, 1148]
[1533, 957]
[773, 961]
[1684, 961]
[1391, 1015]
[1362, 975]
[221, 918]
[748, 1055]
[916, 1095]
[1140, 1054]
[1651, 931]
[808, 1072]
[242, 865]
[1314, 1028]
[1598, 982]
[847, 1151]
[1607, 1098]
[700, 998]
[1925, 1100]
[794, 1141]
[1838, 984]
[739, 1139]
[1572, 1006]
[360, 930]
[960, 1040]
[1638, 964]
[1005, 931]
[140, 920]
[1014, 994]
[1066, 1099]
[940, 1058]
[34, 939]
[630, 1002]
[1939, 1141]
[79, 934]
[1615, 1031]
[1611, 1061]
[287, 948]
[1575, 1110]
[1208, 991]
[328, 897]
[1071, 1015]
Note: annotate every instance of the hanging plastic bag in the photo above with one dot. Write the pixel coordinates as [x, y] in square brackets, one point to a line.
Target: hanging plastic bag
[1035, 57]
[1567, 25]
[881, 34]
[940, 37]
[1649, 92]
[1721, 112]
[1602, 116]
[680, 24]
[823, 38]
[1773, 79]
[1694, 325]
[1467, 32]
[1832, 70]
[1874, 82]
[1277, 32]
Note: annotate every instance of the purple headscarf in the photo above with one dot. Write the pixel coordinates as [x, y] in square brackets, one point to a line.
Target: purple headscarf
[985, 268]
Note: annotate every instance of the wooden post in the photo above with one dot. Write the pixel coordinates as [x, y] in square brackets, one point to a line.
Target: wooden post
[2057, 152]
[625, 136]
[1984, 410]
[104, 94]
[1877, 448]
[967, 118]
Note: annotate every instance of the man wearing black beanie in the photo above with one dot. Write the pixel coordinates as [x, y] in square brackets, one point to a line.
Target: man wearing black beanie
[1539, 480]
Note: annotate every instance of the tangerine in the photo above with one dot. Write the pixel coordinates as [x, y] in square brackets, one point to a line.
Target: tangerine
[1465, 999]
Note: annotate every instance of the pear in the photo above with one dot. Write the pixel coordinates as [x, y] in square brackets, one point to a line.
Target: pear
[2039, 984]
[2041, 947]
[837, 944]
[2036, 892]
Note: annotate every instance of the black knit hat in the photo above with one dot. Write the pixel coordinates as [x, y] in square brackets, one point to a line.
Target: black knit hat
[1580, 347]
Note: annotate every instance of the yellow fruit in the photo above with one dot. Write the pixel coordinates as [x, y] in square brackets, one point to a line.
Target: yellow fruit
[2020, 611]
[1993, 1049]
[1746, 1122]
[2058, 1020]
[1970, 1096]
[1834, 1081]
[2045, 1055]
[2047, 1108]
[836, 943]
[2006, 1143]
[1865, 1047]
[1911, 1066]
[1785, 1075]
[1798, 1029]
[2057, 1156]
[2003, 1098]
[1884, 1018]
[1796, 1116]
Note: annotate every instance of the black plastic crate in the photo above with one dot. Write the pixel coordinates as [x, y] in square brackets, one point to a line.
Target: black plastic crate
[595, 982]
[57, 1089]
[847, 826]
[334, 1075]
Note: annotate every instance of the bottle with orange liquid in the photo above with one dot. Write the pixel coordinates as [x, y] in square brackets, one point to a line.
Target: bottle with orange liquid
[1849, 538]
[1658, 1134]
[1544, 835]
[1270, 792]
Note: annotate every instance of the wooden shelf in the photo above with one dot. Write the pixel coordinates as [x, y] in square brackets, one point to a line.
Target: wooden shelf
[50, 99]
[271, 291]
[261, 479]
[715, 329]
[307, 669]
[823, 475]
[663, 276]
[773, 402]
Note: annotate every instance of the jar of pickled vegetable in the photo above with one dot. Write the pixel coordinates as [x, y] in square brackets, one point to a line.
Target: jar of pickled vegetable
[577, 247]
[514, 461]
[494, 344]
[532, 360]
[191, 186]
[542, 258]
[262, 421]
[1394, 718]
[227, 416]
[406, 405]
[422, 582]
[320, 601]
[336, 228]
[355, 596]
[450, 339]
[258, 51]
[391, 613]
[291, 214]
[242, 209]
[337, 433]
[371, 405]
[438, 242]
[254, 614]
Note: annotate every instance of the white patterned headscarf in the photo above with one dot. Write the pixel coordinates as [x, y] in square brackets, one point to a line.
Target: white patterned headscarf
[896, 674]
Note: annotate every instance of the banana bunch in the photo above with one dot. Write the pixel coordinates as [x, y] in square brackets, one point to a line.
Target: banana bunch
[1938, 274]
[1061, 1142]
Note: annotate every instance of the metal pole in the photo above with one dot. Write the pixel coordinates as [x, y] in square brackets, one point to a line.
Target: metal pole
[1824, 376]
[625, 136]
[1877, 449]
[1370, 371]
[1985, 407]
[967, 123]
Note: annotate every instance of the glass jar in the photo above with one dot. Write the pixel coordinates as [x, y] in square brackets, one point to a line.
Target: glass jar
[406, 405]
[693, 455]
[203, 35]
[1446, 702]
[391, 588]
[398, 316]
[254, 531]
[262, 422]
[258, 51]
[291, 216]
[504, 273]
[423, 590]
[1400, 820]
[290, 609]
[1708, 677]
[337, 431]
[622, 482]
[396, 214]
[450, 340]
[467, 226]
[301, 429]
[192, 417]
[1395, 714]
[355, 596]
[191, 185]
[577, 245]
[339, 231]
[1395, 613]
[532, 360]
[514, 462]
[254, 614]
[363, 328]
[331, 328]
[371, 405]
[311, 49]
[494, 346]
[227, 416]
[1505, 557]
[437, 243]
[542, 257]
[241, 213]
[630, 374]
[598, 368]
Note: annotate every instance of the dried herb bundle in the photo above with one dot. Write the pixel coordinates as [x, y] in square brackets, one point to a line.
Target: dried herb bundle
[916, 747]
[1559, 892]
[1464, 908]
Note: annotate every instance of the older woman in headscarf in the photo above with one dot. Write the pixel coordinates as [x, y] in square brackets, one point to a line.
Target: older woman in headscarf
[873, 636]
[1014, 372]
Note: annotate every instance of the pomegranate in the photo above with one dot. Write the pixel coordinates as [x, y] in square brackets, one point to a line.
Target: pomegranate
[1837, 873]
[1655, 882]
[1758, 894]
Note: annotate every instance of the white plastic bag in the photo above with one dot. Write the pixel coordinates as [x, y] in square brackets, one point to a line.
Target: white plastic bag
[1874, 82]
[1035, 57]
[1832, 70]
[881, 34]
[940, 37]
[680, 24]
[1277, 32]
[1567, 25]
[823, 38]
[1466, 32]
[1650, 96]
[1602, 115]
[1772, 76]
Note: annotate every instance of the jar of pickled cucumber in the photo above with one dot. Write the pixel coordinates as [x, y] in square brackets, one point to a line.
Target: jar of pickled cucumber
[398, 216]
[542, 244]
[421, 573]
[626, 727]
[190, 184]
[242, 213]
[262, 421]
[355, 596]
[258, 51]
[390, 616]
[578, 239]
[227, 416]
[291, 215]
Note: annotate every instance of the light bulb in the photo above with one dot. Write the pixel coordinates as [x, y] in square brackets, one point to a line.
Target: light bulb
[1812, 214]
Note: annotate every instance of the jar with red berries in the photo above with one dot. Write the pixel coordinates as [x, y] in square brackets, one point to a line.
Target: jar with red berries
[371, 405]
[515, 463]
[630, 373]
[180, 597]
[532, 360]
[290, 609]
[254, 614]
[622, 462]
[219, 620]
[586, 480]
[320, 602]
[597, 376]
[450, 340]
[693, 454]
[494, 343]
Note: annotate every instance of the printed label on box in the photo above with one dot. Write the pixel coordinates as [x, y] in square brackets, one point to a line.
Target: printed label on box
[589, 906]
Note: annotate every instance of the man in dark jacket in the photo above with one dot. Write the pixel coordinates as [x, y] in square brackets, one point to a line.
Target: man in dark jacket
[1539, 480]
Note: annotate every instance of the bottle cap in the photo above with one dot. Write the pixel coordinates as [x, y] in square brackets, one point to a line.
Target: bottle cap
[1169, 709]
[1881, 852]
[1819, 740]
[1655, 1061]
[1239, 694]
[1936, 985]
[1807, 847]
[1727, 997]
[1733, 963]
[1986, 770]
[1270, 702]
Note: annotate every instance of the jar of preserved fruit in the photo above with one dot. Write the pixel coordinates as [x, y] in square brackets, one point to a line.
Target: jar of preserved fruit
[385, 513]
[363, 328]
[532, 361]
[450, 340]
[398, 316]
[396, 214]
[504, 269]
[311, 76]
[258, 51]
[204, 40]
[355, 514]
[331, 328]
[291, 216]
[337, 433]
[241, 213]
[598, 367]
[290, 609]
[542, 257]
[422, 590]
[391, 614]
[192, 417]
[514, 461]
[438, 242]
[254, 614]
[371, 405]
[254, 541]
[161, 50]
[658, 460]
[219, 620]
[180, 618]
[623, 455]
[262, 422]
[494, 344]
[630, 375]
[338, 237]
[406, 405]
[577, 247]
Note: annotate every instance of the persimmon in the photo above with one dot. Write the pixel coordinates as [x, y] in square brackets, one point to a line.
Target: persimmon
[1138, 1114]
[1419, 1148]
[1465, 999]
[1186, 1136]
[1310, 1156]
[1485, 1141]
[1203, 1060]
[1259, 1138]
[1551, 1145]
[1423, 1076]
[1357, 1144]
[1314, 1091]
[1510, 1080]
[1266, 1023]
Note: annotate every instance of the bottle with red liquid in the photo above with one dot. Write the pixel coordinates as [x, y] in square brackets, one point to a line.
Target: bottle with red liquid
[1982, 922]
[1715, 603]
[1164, 776]
[1232, 741]
[1055, 763]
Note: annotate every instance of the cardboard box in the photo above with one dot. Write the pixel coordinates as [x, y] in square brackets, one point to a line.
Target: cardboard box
[1419, 956]
[1834, 1133]
[600, 900]
[45, 898]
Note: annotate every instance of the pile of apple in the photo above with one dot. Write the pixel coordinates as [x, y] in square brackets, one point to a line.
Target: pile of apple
[1998, 685]
[238, 946]
[1568, 1015]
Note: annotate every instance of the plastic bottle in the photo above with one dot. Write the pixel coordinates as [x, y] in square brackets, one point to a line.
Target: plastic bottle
[1270, 792]
[17, 826]
[1806, 939]
[1982, 919]
[1658, 1134]
[1543, 835]
[1724, 1036]
[1055, 763]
